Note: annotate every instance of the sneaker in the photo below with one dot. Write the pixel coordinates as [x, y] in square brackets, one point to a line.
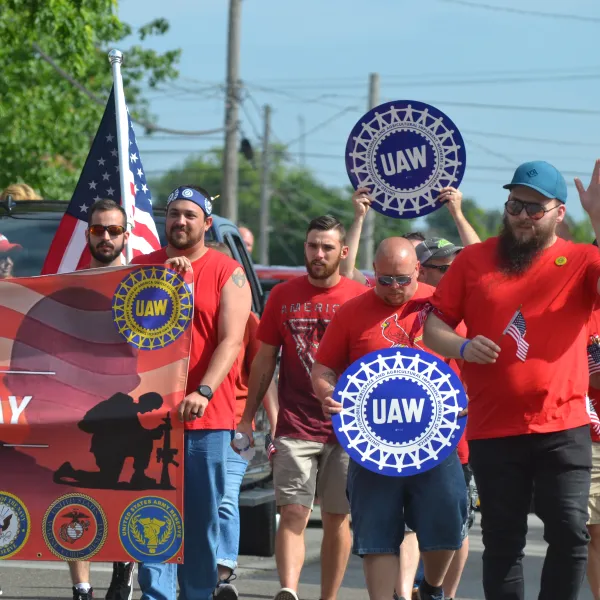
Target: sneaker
[0, 591]
[79, 595]
[226, 590]
[121, 584]
[425, 596]
[286, 594]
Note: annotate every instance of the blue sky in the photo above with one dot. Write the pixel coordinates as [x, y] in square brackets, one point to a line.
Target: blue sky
[311, 60]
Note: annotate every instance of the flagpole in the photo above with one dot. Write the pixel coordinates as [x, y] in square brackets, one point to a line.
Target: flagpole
[116, 58]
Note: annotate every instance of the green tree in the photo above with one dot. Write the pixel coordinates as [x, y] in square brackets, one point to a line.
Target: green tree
[46, 124]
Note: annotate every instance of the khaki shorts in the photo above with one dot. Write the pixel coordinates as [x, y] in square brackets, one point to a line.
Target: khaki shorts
[303, 468]
[594, 500]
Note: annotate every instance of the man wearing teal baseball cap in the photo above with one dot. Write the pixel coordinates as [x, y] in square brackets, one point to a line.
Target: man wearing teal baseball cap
[526, 297]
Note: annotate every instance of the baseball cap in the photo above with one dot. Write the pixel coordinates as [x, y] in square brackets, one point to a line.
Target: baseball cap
[541, 177]
[436, 248]
[6, 246]
[186, 193]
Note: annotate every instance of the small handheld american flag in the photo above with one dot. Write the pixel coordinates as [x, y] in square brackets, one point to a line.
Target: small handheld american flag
[517, 329]
[593, 353]
[594, 420]
[270, 446]
[100, 179]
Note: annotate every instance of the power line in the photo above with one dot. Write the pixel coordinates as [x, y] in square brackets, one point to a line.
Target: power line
[519, 138]
[520, 11]
[323, 124]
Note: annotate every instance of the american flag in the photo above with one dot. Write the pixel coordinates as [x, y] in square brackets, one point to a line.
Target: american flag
[593, 352]
[516, 328]
[100, 179]
[269, 446]
[594, 420]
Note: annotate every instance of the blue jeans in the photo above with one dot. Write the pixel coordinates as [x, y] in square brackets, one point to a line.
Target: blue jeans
[204, 487]
[229, 511]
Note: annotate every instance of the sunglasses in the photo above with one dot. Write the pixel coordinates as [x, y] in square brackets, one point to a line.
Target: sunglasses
[113, 230]
[440, 268]
[401, 280]
[534, 210]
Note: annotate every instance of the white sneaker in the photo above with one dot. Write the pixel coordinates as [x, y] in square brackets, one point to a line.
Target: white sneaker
[286, 594]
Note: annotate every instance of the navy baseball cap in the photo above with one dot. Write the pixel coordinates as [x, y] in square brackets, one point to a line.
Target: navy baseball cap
[186, 193]
[541, 177]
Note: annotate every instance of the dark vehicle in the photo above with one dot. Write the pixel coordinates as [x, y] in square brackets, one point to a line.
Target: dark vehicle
[33, 225]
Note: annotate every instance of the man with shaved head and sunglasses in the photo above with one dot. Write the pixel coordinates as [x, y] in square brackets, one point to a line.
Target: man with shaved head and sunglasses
[525, 297]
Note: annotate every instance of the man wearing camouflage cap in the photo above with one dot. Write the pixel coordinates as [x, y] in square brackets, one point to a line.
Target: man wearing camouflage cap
[436, 256]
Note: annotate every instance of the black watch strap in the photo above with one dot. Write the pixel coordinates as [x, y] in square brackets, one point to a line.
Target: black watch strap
[204, 390]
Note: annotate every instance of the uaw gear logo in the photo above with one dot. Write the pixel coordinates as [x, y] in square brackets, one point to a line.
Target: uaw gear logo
[152, 307]
[400, 410]
[15, 525]
[74, 527]
[151, 529]
[405, 152]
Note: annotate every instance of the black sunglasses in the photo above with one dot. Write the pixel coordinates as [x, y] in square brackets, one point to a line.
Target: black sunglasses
[401, 280]
[533, 209]
[440, 268]
[113, 230]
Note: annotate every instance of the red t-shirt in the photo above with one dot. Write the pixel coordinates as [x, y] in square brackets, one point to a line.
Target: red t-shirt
[295, 318]
[546, 392]
[593, 351]
[211, 273]
[243, 364]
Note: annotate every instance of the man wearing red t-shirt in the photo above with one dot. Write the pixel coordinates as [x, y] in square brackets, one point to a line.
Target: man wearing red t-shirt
[221, 308]
[525, 297]
[433, 503]
[308, 459]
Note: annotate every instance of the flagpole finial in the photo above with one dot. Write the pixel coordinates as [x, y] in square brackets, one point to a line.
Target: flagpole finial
[115, 56]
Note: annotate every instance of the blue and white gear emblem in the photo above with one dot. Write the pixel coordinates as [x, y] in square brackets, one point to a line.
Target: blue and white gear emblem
[405, 152]
[400, 410]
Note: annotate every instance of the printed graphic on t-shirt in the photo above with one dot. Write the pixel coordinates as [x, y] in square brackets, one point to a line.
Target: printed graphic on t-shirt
[307, 334]
[393, 332]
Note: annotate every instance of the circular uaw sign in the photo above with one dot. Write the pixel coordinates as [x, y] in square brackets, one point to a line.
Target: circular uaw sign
[400, 411]
[405, 152]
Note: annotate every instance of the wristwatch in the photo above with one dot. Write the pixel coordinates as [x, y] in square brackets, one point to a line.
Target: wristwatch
[204, 390]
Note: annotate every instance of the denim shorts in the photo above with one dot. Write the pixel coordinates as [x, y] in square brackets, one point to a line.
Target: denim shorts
[433, 504]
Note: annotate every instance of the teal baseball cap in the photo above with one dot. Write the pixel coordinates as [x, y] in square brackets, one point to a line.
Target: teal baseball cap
[541, 177]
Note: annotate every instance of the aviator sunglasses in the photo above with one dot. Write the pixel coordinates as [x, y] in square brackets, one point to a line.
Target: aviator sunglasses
[534, 210]
[113, 230]
[401, 280]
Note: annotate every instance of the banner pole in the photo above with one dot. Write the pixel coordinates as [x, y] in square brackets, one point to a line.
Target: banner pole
[127, 194]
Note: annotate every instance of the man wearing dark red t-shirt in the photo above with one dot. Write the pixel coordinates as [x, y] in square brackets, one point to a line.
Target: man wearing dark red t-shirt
[525, 297]
[221, 309]
[308, 459]
[434, 503]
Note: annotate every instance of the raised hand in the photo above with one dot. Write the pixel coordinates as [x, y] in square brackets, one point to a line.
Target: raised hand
[453, 199]
[590, 198]
[361, 202]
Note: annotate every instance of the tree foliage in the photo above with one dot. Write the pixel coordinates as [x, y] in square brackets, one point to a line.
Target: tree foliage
[46, 124]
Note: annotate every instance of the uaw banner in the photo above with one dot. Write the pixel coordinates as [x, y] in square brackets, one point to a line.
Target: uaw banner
[92, 367]
[400, 411]
[405, 152]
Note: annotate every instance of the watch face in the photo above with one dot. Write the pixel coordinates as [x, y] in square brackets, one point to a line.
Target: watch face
[205, 391]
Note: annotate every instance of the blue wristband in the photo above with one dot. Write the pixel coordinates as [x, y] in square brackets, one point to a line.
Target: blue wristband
[462, 348]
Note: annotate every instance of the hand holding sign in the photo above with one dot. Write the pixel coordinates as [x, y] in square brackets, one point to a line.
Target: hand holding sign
[405, 151]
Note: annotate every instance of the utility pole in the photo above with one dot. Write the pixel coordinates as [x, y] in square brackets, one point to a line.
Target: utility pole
[232, 98]
[265, 191]
[302, 140]
[366, 241]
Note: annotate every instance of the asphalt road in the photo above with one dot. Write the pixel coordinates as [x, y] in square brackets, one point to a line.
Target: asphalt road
[257, 577]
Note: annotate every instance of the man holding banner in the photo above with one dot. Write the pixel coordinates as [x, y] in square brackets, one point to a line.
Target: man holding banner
[433, 502]
[528, 428]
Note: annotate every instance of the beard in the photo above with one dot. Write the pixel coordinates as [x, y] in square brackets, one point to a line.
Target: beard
[182, 239]
[106, 257]
[319, 270]
[516, 256]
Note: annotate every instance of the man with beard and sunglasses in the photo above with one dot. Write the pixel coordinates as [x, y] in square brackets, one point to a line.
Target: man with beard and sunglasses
[525, 297]
[308, 460]
[433, 503]
[222, 302]
[106, 236]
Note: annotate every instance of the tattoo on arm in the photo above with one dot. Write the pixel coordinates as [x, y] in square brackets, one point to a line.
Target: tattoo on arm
[331, 378]
[239, 278]
[263, 386]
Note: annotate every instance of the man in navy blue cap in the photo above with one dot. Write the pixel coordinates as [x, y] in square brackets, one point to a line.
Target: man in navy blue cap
[525, 297]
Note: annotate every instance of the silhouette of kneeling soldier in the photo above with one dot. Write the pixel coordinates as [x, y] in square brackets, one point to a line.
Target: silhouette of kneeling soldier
[117, 434]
